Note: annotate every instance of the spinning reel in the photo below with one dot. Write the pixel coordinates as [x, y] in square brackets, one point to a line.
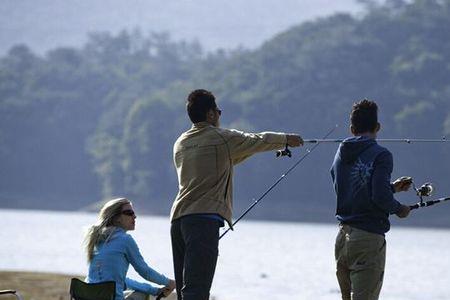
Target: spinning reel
[285, 152]
[425, 190]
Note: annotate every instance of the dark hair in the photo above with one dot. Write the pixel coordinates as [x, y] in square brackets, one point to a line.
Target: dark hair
[199, 102]
[364, 116]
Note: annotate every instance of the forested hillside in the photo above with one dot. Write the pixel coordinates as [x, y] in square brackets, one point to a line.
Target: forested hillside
[84, 124]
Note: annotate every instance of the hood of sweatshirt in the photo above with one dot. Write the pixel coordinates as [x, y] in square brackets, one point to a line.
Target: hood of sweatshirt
[352, 147]
[108, 233]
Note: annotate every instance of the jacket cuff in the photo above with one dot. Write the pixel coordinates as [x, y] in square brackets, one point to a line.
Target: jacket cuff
[275, 137]
[397, 208]
[393, 188]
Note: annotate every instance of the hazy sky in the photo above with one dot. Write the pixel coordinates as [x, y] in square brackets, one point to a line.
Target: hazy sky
[44, 24]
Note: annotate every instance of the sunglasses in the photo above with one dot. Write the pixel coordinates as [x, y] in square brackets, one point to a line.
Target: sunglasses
[219, 111]
[128, 212]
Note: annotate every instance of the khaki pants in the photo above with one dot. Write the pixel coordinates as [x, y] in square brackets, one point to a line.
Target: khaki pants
[134, 295]
[360, 260]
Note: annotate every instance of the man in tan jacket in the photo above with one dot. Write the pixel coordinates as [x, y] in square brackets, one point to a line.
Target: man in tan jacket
[204, 157]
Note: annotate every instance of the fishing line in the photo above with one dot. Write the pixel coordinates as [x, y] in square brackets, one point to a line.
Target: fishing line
[285, 152]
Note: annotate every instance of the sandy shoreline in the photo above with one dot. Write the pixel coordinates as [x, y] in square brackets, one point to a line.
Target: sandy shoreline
[38, 286]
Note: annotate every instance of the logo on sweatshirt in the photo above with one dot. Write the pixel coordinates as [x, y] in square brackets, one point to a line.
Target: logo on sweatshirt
[360, 174]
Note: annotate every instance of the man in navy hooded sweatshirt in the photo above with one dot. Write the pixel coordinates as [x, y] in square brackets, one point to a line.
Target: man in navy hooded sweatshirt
[361, 174]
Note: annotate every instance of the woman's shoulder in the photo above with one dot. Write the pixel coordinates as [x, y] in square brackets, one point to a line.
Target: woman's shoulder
[126, 241]
[122, 234]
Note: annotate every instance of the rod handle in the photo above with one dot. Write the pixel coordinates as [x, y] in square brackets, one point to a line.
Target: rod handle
[423, 204]
[415, 206]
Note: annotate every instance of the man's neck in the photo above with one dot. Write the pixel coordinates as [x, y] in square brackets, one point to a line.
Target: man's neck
[369, 135]
[203, 123]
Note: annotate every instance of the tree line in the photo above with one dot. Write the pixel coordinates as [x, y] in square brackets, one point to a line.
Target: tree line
[83, 124]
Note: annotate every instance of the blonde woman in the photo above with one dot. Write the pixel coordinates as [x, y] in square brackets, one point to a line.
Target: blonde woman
[110, 251]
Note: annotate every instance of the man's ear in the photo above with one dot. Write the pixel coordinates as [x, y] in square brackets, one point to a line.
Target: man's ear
[352, 129]
[378, 127]
[210, 115]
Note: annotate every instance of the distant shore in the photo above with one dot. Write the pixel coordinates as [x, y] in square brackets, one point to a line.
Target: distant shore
[38, 286]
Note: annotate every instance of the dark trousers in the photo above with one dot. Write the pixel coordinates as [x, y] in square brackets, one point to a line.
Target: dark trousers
[195, 242]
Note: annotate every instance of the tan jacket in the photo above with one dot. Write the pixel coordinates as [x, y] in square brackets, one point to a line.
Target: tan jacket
[204, 157]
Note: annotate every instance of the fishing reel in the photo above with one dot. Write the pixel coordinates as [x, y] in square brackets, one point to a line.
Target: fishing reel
[425, 190]
[285, 152]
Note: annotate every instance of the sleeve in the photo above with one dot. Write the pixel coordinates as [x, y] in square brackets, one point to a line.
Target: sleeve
[336, 160]
[243, 145]
[382, 194]
[392, 188]
[137, 261]
[141, 287]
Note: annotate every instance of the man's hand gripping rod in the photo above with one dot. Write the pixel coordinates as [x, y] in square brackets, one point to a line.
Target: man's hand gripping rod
[285, 152]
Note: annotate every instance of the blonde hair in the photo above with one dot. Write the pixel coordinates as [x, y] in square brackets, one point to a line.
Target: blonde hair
[105, 226]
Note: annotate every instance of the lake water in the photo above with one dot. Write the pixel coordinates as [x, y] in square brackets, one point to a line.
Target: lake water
[259, 260]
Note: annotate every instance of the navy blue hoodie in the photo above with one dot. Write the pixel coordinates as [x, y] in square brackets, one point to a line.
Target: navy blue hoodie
[361, 174]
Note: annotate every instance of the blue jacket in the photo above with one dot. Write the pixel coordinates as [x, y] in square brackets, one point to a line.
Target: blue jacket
[361, 174]
[112, 259]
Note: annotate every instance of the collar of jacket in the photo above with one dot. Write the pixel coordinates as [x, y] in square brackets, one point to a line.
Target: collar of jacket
[201, 125]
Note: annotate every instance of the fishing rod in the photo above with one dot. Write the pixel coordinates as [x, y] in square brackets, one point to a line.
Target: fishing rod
[426, 190]
[285, 152]
[408, 141]
[428, 203]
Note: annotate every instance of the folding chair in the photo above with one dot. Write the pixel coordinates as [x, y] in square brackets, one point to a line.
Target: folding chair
[80, 290]
[11, 292]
